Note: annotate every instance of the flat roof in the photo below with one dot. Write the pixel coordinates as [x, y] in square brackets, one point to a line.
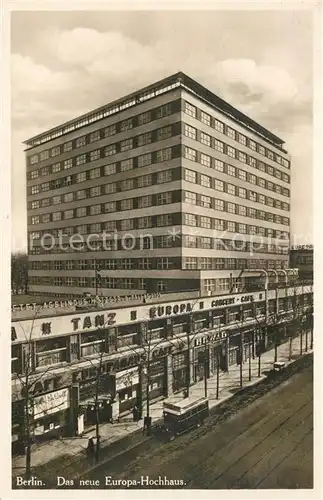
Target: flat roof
[176, 80]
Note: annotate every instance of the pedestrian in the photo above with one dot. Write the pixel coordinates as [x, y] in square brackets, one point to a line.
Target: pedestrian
[90, 450]
[135, 413]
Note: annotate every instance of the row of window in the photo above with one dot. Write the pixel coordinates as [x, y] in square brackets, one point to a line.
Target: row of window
[208, 263]
[221, 166]
[110, 150]
[108, 131]
[107, 170]
[233, 208]
[219, 126]
[142, 181]
[124, 283]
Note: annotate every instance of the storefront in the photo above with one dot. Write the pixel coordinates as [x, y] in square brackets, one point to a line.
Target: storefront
[180, 371]
[127, 388]
[51, 414]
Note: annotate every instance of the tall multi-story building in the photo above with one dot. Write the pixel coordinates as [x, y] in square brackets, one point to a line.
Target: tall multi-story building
[193, 195]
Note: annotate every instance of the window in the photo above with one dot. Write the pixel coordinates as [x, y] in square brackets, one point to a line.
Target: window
[34, 174]
[166, 132]
[126, 125]
[57, 216]
[110, 225]
[144, 139]
[261, 150]
[219, 204]
[57, 200]
[190, 153]
[252, 161]
[95, 173]
[35, 189]
[205, 139]
[68, 214]
[190, 198]
[270, 186]
[252, 179]
[261, 199]
[164, 198]
[144, 118]
[126, 184]
[164, 263]
[231, 170]
[252, 213]
[188, 131]
[231, 227]
[242, 192]
[270, 154]
[189, 109]
[165, 110]
[95, 155]
[110, 206]
[95, 191]
[164, 155]
[144, 160]
[110, 169]
[110, 150]
[242, 175]
[44, 155]
[164, 220]
[81, 212]
[270, 170]
[44, 187]
[190, 176]
[252, 196]
[219, 224]
[35, 219]
[231, 189]
[68, 197]
[219, 165]
[67, 181]
[218, 185]
[190, 220]
[144, 222]
[95, 209]
[205, 201]
[278, 189]
[261, 182]
[110, 188]
[126, 165]
[144, 201]
[242, 210]
[144, 263]
[144, 181]
[242, 157]
[56, 168]
[286, 192]
[205, 181]
[261, 215]
[285, 177]
[69, 163]
[111, 130]
[219, 263]
[206, 242]
[35, 204]
[190, 241]
[126, 204]
[190, 263]
[270, 217]
[81, 159]
[278, 174]
[81, 177]
[231, 133]
[205, 160]
[218, 145]
[205, 118]
[231, 208]
[126, 224]
[285, 206]
[80, 141]
[219, 126]
[45, 202]
[205, 222]
[55, 151]
[126, 145]
[270, 201]
[95, 136]
[242, 228]
[164, 176]
[252, 145]
[44, 171]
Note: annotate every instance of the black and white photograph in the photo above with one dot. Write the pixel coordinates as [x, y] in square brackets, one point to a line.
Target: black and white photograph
[162, 242]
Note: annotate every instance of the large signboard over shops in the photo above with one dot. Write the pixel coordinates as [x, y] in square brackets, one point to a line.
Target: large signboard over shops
[66, 324]
[51, 402]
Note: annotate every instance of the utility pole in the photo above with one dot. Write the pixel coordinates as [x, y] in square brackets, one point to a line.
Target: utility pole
[206, 355]
[217, 374]
[241, 356]
[249, 361]
[275, 358]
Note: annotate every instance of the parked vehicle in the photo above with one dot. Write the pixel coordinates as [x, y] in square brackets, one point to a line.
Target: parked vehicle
[181, 416]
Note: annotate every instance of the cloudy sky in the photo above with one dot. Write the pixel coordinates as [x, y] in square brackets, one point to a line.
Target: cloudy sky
[67, 63]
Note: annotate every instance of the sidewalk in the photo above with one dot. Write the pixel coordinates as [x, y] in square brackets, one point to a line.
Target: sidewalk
[66, 457]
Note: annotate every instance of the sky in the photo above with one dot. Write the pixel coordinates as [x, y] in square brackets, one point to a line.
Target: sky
[64, 64]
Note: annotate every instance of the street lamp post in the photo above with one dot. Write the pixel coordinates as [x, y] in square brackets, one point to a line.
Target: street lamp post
[249, 361]
[217, 374]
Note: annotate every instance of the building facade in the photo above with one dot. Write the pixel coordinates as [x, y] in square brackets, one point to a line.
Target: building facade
[116, 352]
[168, 189]
[302, 258]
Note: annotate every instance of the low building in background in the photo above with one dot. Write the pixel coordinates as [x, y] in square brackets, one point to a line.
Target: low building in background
[302, 258]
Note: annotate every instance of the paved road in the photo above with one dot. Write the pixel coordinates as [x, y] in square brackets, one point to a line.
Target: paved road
[269, 444]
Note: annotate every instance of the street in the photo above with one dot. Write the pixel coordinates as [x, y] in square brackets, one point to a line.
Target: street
[268, 444]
